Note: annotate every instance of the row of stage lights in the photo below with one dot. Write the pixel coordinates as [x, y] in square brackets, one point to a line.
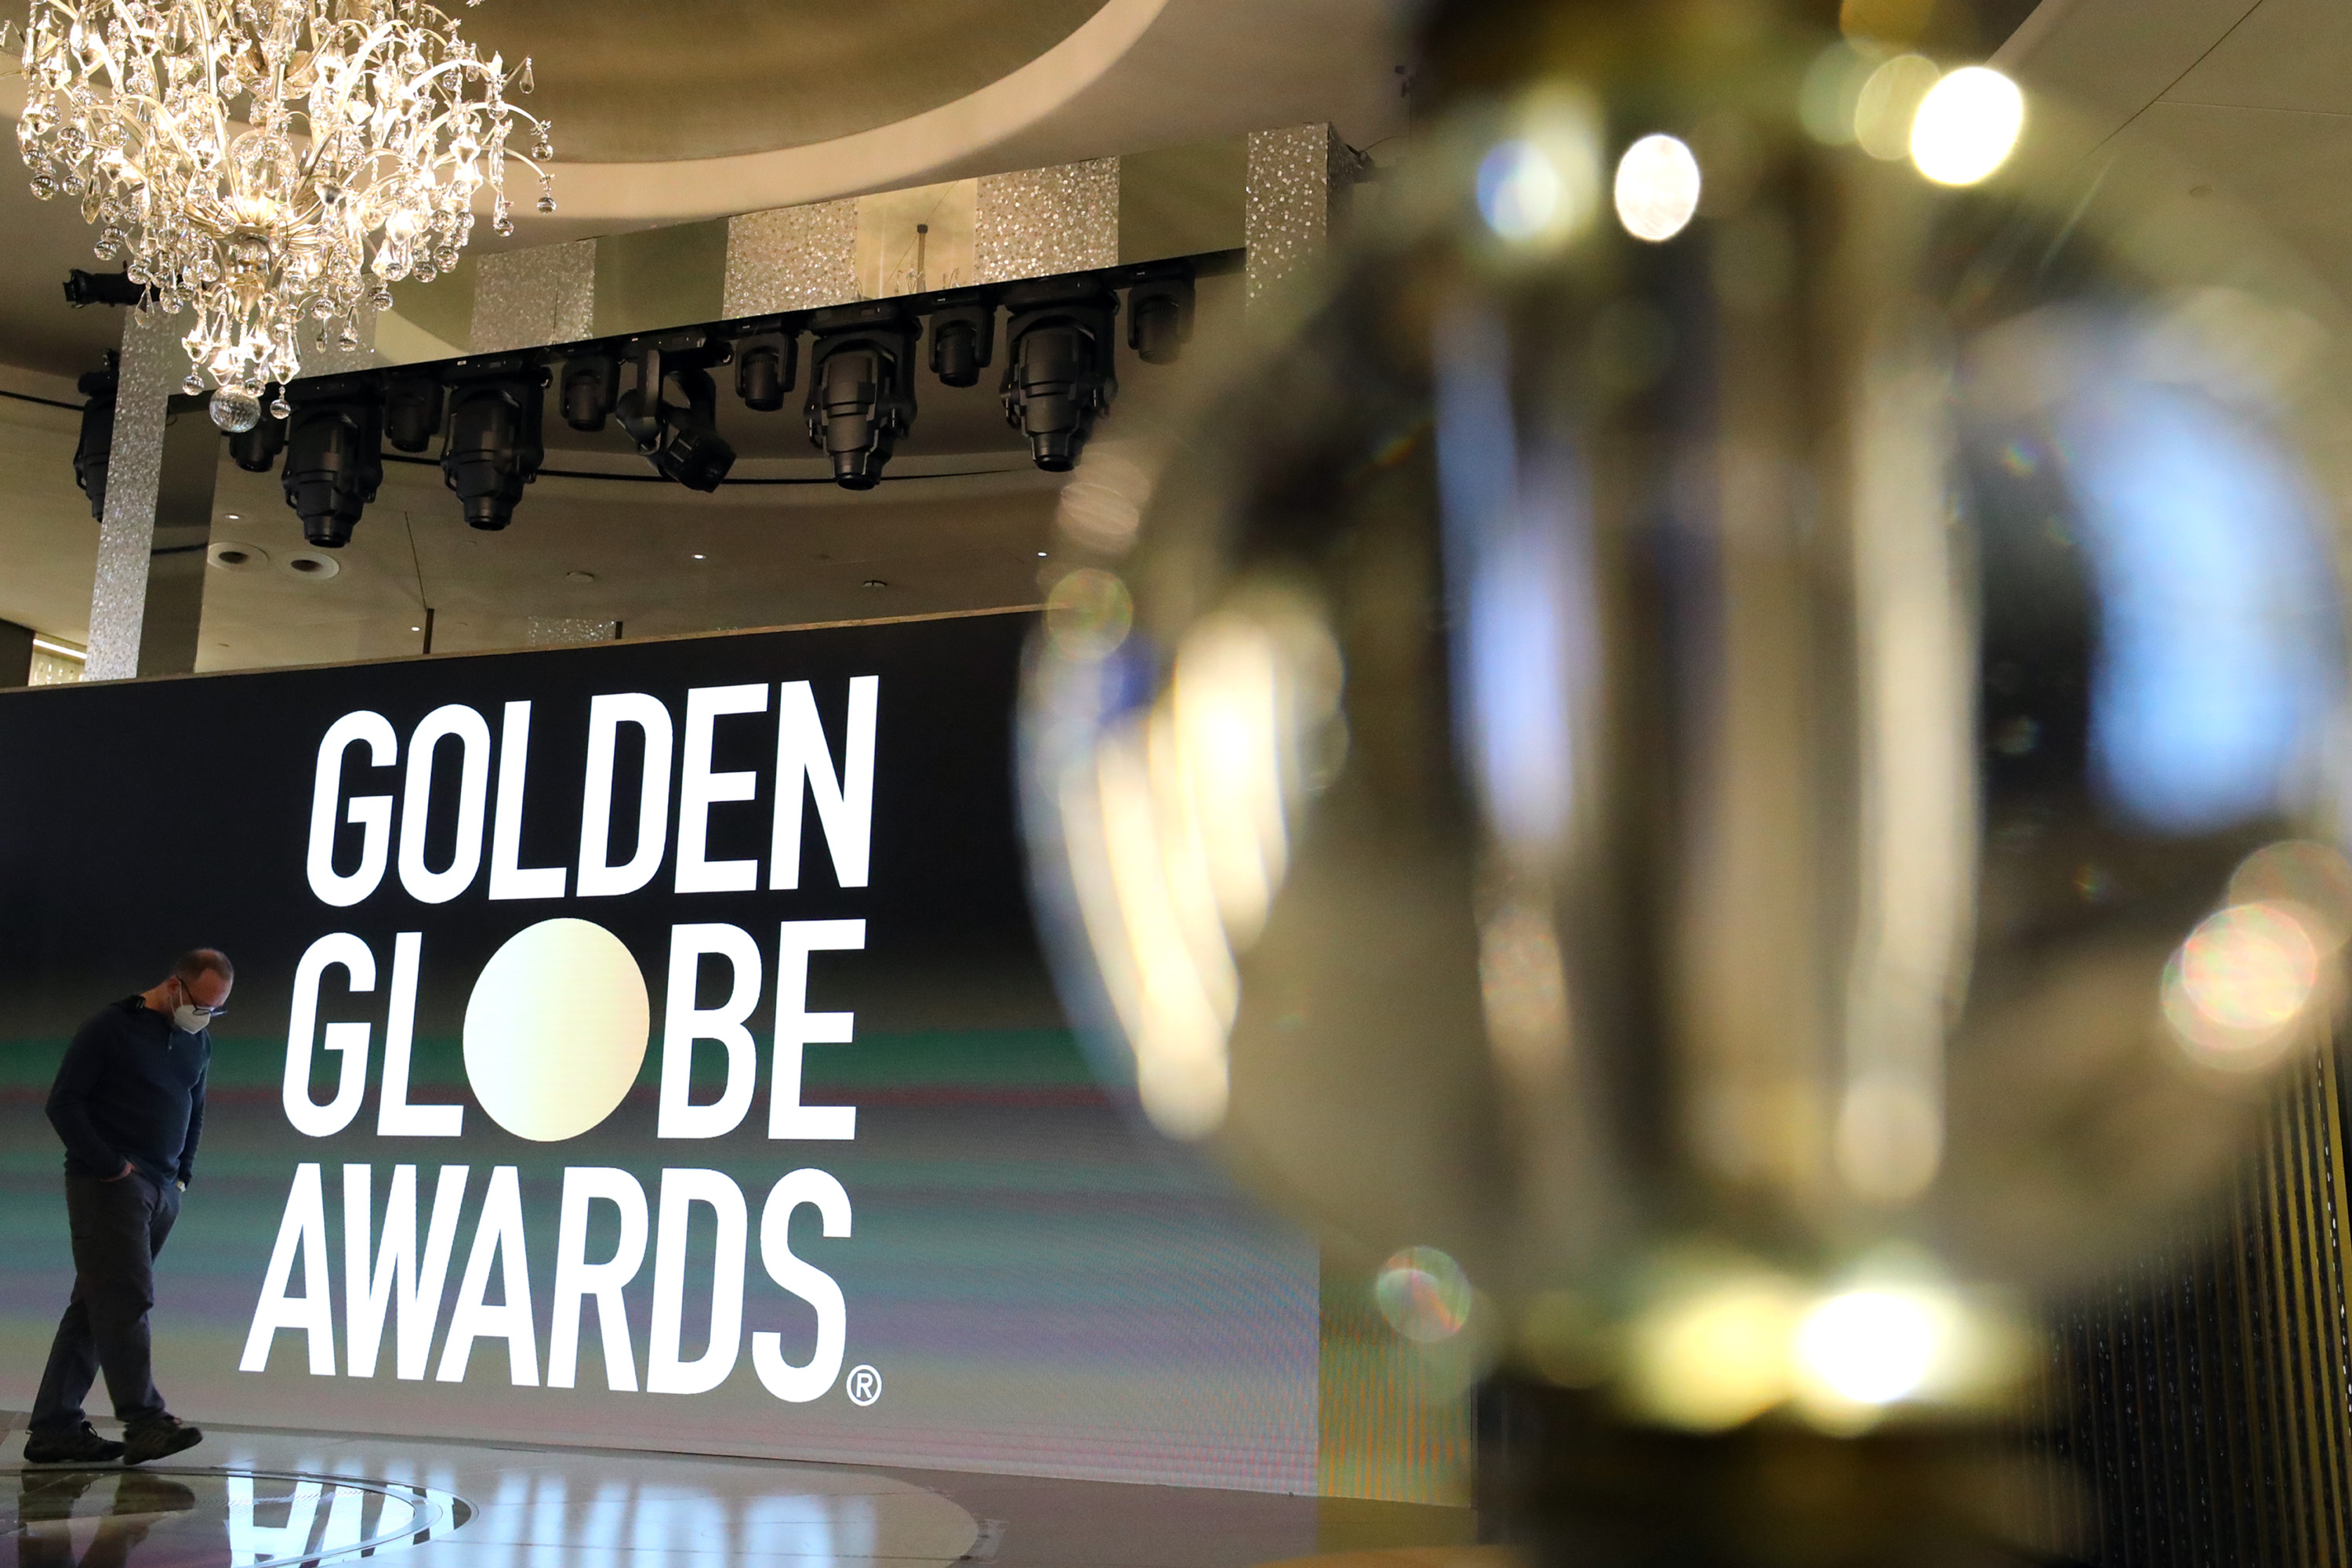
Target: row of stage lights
[1059, 378]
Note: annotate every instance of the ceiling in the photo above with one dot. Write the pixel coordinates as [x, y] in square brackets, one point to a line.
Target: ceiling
[799, 102]
[2246, 102]
[2244, 105]
[627, 83]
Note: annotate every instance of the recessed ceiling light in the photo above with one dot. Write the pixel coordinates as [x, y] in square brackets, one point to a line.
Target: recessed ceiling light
[698, 558]
[232, 517]
[1041, 555]
[876, 583]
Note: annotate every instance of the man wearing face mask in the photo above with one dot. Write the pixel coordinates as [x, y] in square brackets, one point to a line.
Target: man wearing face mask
[130, 1103]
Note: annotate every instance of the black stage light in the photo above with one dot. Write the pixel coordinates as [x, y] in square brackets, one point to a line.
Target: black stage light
[102, 288]
[333, 456]
[1159, 318]
[861, 395]
[963, 340]
[411, 412]
[96, 448]
[1059, 376]
[256, 449]
[591, 381]
[672, 411]
[493, 447]
[766, 366]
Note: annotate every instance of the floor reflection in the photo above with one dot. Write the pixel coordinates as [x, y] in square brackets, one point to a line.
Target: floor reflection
[114, 1518]
[291, 1499]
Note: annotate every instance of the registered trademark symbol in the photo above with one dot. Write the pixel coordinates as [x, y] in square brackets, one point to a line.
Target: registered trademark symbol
[864, 1386]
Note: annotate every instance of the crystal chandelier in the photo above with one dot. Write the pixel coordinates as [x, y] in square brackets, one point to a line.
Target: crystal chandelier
[265, 161]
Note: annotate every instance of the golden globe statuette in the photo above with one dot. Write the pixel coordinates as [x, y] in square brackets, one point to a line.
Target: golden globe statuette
[1732, 749]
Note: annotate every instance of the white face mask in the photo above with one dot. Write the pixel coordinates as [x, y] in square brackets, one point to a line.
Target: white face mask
[190, 1018]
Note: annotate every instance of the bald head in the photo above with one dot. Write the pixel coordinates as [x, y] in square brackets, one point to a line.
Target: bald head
[195, 964]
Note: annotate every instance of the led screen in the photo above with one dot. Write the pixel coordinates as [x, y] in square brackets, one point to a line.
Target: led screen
[643, 1044]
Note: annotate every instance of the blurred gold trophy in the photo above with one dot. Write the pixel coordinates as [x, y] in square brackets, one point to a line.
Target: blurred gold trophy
[1733, 747]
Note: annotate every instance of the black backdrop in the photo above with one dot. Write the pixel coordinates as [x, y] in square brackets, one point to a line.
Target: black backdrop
[1042, 1285]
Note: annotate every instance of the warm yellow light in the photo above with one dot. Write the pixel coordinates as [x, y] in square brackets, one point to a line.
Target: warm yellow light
[1714, 1353]
[1657, 188]
[1872, 1347]
[1966, 126]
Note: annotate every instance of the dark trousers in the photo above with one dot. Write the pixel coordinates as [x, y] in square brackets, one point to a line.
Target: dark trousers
[118, 1229]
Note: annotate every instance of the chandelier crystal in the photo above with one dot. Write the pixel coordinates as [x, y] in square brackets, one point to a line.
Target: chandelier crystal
[269, 163]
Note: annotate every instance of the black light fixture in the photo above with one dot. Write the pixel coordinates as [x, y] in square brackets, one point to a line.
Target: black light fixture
[963, 340]
[95, 449]
[411, 412]
[102, 288]
[591, 384]
[1159, 318]
[672, 412]
[493, 447]
[1059, 376]
[334, 461]
[861, 395]
[767, 364]
[256, 449]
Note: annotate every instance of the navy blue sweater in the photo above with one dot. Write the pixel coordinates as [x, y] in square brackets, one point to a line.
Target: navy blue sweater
[132, 1088]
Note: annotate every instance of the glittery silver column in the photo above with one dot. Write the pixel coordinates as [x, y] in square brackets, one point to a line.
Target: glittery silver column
[1039, 222]
[523, 299]
[1298, 177]
[153, 364]
[792, 258]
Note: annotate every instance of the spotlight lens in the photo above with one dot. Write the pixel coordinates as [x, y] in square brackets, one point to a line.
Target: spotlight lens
[1657, 188]
[1966, 126]
[1520, 191]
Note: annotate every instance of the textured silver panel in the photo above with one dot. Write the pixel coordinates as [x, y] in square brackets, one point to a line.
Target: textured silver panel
[1294, 175]
[546, 294]
[153, 364]
[792, 258]
[562, 631]
[1038, 222]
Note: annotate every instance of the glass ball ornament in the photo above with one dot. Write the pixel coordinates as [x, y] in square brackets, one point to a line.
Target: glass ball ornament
[236, 408]
[1739, 722]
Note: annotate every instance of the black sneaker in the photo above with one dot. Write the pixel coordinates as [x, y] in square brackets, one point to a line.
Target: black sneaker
[157, 1437]
[82, 1446]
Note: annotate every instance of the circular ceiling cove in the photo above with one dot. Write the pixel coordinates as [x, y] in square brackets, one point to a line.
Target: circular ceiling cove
[625, 82]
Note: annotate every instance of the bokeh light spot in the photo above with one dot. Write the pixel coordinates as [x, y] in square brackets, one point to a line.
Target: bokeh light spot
[1424, 1294]
[1890, 98]
[1089, 613]
[1966, 126]
[1714, 1352]
[1657, 187]
[1520, 191]
[2252, 967]
[1871, 1347]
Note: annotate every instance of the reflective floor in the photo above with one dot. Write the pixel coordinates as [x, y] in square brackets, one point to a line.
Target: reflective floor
[268, 1498]
[252, 1498]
